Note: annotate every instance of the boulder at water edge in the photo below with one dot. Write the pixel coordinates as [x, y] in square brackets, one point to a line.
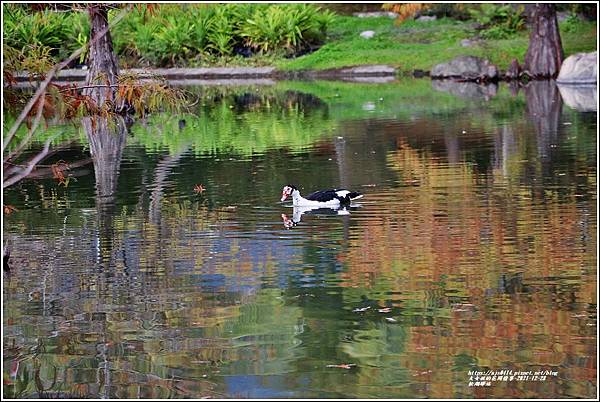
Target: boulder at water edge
[466, 67]
[580, 68]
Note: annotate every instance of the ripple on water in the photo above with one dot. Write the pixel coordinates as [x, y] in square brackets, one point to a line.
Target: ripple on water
[474, 246]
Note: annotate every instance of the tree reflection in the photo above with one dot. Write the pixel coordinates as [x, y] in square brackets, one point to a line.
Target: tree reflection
[544, 106]
[505, 149]
[106, 137]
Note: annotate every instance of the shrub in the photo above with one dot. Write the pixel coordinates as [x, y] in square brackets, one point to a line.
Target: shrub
[221, 30]
[498, 21]
[406, 10]
[289, 28]
[176, 34]
[174, 40]
[571, 23]
[45, 28]
[79, 34]
[448, 10]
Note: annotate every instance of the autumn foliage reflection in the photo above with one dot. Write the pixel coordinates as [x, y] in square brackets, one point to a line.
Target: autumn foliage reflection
[505, 275]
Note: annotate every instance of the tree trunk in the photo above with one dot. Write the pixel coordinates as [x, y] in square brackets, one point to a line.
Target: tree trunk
[545, 53]
[103, 67]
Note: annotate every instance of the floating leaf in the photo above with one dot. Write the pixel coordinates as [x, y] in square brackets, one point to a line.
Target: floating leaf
[9, 209]
[346, 366]
[57, 172]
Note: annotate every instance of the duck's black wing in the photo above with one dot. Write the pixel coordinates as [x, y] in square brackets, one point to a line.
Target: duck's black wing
[323, 195]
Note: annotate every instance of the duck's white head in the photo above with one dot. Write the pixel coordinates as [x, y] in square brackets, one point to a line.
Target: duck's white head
[289, 190]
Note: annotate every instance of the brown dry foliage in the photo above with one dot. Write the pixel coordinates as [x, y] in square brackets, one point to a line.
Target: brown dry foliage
[405, 10]
[57, 172]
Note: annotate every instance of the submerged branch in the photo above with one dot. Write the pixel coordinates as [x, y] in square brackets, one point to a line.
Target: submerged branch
[47, 171]
[32, 163]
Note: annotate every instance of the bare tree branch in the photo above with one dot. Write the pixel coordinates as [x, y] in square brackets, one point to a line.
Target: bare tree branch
[34, 126]
[50, 75]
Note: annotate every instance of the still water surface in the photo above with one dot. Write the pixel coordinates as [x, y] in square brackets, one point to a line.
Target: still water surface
[474, 248]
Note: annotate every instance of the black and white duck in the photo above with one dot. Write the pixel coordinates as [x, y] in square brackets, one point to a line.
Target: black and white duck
[322, 198]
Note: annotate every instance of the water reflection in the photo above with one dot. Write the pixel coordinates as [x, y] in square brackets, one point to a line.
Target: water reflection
[467, 90]
[473, 249]
[583, 98]
[299, 211]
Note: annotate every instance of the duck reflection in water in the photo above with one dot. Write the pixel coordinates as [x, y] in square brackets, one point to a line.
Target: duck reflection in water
[312, 210]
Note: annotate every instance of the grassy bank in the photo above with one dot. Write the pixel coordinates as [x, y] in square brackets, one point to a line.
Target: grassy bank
[266, 35]
[423, 44]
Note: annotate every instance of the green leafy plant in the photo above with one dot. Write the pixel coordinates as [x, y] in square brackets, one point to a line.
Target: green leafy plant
[44, 28]
[289, 28]
[498, 21]
[176, 34]
[571, 23]
[173, 41]
[79, 30]
[35, 59]
[220, 35]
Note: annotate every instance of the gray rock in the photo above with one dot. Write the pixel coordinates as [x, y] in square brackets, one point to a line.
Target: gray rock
[466, 90]
[580, 68]
[466, 67]
[346, 73]
[371, 69]
[388, 14]
[427, 18]
[470, 42]
[371, 79]
[367, 34]
[582, 98]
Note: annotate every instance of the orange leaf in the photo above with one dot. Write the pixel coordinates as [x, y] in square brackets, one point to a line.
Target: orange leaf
[9, 209]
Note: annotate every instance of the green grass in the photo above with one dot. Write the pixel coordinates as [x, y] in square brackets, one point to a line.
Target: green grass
[421, 45]
[190, 36]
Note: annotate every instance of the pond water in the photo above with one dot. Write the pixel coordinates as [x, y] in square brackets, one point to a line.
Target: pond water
[168, 267]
